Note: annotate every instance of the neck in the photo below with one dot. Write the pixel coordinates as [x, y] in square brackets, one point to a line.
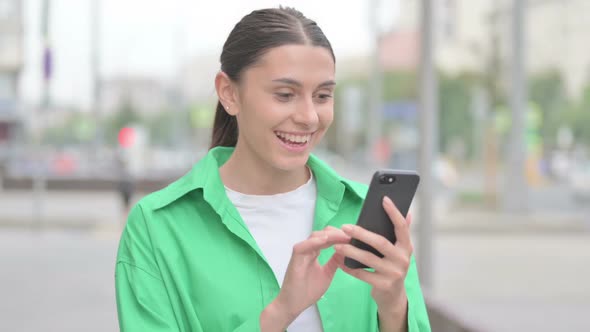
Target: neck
[247, 174]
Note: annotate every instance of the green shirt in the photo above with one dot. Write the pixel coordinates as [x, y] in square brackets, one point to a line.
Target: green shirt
[187, 261]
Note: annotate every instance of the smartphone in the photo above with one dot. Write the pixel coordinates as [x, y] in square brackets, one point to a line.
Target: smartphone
[400, 186]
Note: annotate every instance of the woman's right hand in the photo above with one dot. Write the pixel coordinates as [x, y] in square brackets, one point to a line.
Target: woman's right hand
[306, 280]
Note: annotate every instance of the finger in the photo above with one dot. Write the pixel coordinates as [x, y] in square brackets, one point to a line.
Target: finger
[362, 256]
[318, 234]
[336, 234]
[331, 228]
[378, 281]
[372, 278]
[375, 240]
[401, 229]
[333, 233]
[409, 219]
[326, 229]
[315, 243]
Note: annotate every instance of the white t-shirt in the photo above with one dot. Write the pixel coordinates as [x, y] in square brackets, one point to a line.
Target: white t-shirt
[277, 223]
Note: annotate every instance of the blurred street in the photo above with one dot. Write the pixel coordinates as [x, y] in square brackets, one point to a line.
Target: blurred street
[57, 281]
[62, 280]
[494, 272]
[516, 282]
[552, 207]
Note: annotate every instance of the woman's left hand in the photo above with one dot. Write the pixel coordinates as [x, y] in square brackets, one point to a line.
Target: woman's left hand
[388, 289]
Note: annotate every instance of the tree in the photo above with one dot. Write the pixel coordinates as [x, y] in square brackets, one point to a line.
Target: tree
[547, 92]
[125, 116]
[579, 118]
[455, 114]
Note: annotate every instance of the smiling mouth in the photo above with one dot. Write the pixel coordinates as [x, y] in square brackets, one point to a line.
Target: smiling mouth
[291, 139]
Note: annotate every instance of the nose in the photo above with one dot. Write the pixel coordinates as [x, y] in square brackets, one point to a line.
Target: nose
[306, 114]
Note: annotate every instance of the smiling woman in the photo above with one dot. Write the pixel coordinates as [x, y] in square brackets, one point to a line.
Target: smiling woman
[246, 240]
[282, 106]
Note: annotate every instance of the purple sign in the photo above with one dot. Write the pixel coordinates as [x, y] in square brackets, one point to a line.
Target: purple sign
[47, 64]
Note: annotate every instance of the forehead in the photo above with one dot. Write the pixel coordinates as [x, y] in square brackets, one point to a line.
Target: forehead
[305, 63]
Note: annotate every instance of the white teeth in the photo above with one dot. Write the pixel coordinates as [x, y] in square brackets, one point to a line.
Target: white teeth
[294, 138]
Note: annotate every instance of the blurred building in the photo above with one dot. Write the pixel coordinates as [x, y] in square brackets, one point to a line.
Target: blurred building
[400, 50]
[558, 35]
[147, 96]
[462, 31]
[470, 33]
[197, 78]
[11, 62]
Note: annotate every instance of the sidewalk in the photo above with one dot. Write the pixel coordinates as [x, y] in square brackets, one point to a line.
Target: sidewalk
[60, 209]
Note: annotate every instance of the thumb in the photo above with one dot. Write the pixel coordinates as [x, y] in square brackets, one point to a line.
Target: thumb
[409, 219]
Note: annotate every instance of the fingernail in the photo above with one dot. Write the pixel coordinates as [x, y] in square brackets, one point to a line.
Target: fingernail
[347, 228]
[337, 247]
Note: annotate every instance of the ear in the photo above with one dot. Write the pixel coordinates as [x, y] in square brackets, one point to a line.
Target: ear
[227, 93]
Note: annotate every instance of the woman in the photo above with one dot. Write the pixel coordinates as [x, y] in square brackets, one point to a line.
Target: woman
[254, 237]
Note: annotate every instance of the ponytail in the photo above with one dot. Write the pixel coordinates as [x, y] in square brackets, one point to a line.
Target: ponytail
[225, 129]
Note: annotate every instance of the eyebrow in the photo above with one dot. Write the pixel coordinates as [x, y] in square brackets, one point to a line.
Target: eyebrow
[291, 81]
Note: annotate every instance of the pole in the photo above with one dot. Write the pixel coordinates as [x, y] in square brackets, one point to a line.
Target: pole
[516, 187]
[428, 134]
[39, 177]
[374, 123]
[95, 71]
[47, 54]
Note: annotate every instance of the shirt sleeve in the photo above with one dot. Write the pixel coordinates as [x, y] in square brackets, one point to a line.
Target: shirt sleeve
[143, 303]
[417, 313]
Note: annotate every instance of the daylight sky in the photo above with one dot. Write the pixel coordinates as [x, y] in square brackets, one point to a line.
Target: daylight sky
[151, 38]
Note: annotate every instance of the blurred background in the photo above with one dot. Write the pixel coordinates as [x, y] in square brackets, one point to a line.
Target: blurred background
[489, 100]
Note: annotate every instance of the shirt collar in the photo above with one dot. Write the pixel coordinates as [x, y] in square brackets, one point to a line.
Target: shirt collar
[205, 176]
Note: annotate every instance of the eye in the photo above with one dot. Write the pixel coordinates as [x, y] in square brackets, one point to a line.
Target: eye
[284, 96]
[323, 97]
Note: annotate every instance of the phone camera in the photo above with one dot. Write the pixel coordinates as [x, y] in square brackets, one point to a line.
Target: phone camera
[387, 179]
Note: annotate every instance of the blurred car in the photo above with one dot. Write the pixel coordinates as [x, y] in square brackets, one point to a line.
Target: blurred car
[579, 180]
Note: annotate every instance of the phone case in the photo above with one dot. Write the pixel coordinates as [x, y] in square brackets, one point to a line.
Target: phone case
[373, 217]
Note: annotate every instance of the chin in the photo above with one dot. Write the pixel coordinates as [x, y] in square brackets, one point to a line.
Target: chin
[291, 163]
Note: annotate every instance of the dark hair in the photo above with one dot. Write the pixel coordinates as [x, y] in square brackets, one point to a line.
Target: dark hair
[249, 40]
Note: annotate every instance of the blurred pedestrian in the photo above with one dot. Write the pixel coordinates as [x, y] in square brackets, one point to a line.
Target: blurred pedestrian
[254, 237]
[125, 183]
